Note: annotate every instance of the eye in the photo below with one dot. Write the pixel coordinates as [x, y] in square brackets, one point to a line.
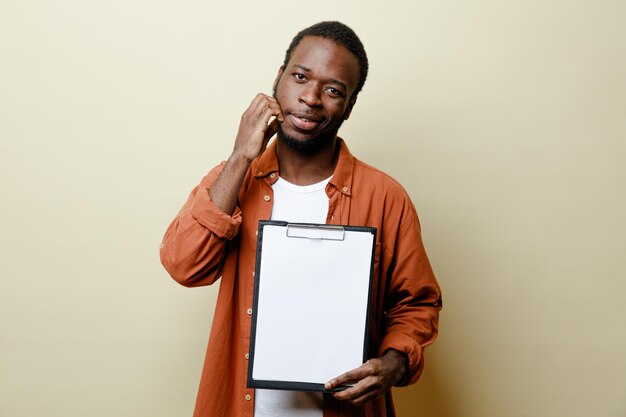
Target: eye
[334, 92]
[299, 77]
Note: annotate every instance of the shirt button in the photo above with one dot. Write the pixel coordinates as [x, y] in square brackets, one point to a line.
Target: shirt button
[266, 198]
[249, 311]
[248, 397]
[247, 356]
[344, 189]
[272, 175]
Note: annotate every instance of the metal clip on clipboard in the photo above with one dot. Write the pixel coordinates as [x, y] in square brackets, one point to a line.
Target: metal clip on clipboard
[315, 232]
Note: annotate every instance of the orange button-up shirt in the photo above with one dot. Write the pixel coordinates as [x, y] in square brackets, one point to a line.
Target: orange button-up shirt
[203, 244]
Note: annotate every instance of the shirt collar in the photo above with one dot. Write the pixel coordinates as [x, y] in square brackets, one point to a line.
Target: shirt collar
[267, 164]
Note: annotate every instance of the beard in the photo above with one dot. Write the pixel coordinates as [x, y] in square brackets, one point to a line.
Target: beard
[308, 146]
[311, 146]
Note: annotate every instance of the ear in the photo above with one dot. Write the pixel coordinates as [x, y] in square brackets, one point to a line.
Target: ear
[280, 73]
[351, 104]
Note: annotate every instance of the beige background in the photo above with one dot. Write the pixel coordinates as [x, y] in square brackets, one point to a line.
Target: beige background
[505, 121]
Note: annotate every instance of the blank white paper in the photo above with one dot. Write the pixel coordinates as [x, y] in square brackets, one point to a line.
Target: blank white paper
[312, 306]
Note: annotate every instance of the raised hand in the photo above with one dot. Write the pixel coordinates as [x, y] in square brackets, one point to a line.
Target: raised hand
[255, 128]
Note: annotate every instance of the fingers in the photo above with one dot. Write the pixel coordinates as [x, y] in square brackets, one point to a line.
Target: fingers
[369, 383]
[265, 107]
[347, 378]
[273, 108]
[272, 128]
[255, 128]
[365, 390]
[350, 377]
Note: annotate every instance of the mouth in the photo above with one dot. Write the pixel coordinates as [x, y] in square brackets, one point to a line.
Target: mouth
[304, 121]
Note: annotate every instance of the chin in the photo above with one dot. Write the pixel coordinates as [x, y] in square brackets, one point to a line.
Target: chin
[305, 146]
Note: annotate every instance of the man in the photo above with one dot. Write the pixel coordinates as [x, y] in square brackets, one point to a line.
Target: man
[307, 175]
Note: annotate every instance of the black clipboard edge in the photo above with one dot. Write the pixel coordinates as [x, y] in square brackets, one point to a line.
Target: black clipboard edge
[366, 339]
[301, 386]
[255, 300]
[293, 386]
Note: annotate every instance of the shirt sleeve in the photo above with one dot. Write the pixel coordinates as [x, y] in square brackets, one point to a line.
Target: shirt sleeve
[195, 243]
[413, 299]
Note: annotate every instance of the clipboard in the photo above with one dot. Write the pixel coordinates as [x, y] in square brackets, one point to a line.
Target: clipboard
[311, 304]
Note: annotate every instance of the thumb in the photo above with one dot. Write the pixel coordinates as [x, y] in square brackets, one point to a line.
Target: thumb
[272, 128]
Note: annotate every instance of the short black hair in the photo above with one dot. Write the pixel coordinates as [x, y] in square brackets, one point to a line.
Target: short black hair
[341, 35]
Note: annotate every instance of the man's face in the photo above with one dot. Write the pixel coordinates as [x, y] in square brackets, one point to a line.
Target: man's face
[315, 92]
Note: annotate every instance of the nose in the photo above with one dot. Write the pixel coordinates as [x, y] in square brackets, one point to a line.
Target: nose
[310, 95]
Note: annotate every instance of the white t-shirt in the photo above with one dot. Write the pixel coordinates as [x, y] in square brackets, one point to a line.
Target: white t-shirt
[302, 204]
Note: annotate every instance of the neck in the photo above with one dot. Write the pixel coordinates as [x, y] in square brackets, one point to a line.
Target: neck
[302, 169]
